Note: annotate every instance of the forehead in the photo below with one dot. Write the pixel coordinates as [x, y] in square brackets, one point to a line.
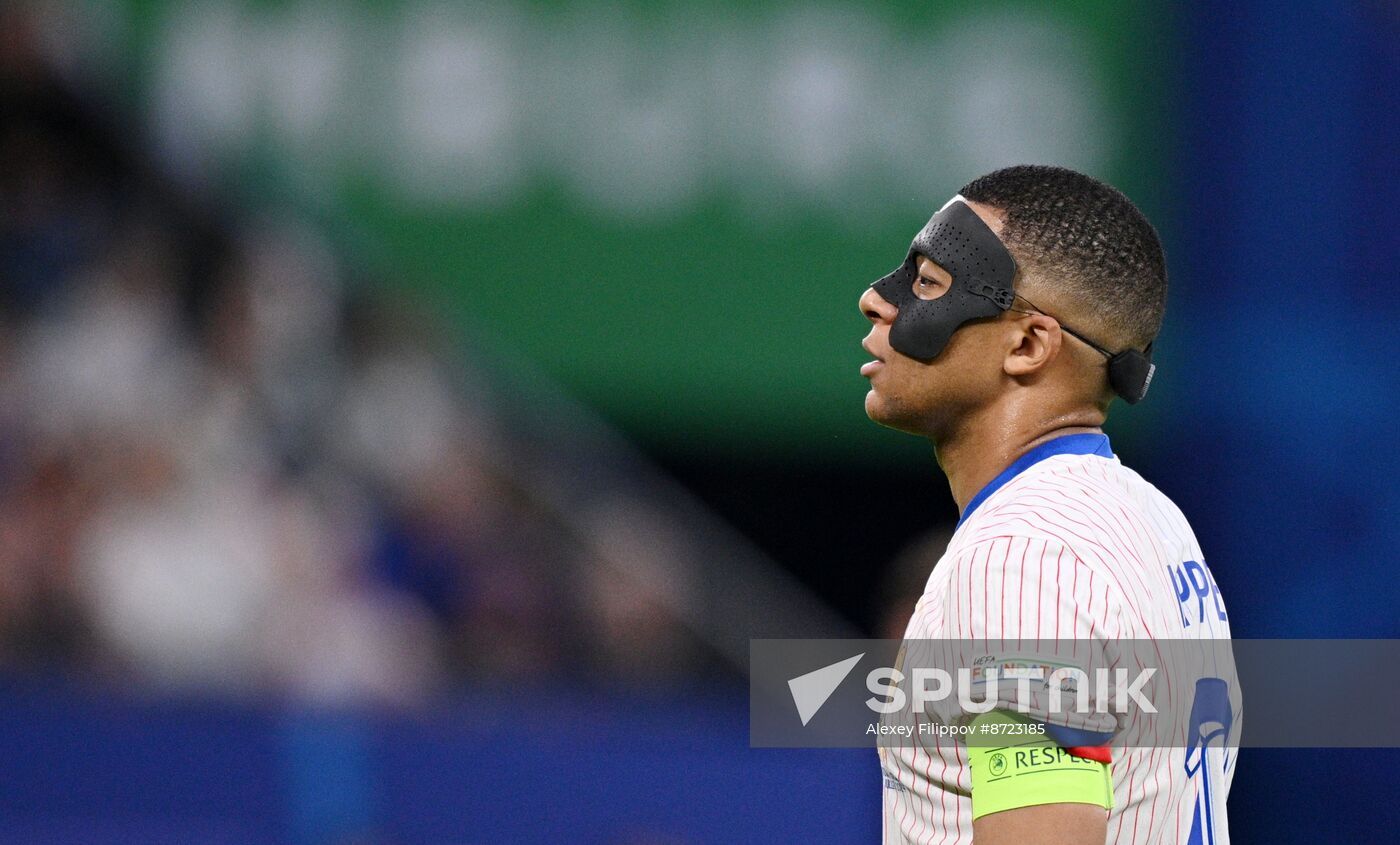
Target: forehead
[964, 239]
[989, 215]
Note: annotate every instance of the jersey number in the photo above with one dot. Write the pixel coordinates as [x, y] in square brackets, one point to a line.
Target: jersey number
[1210, 718]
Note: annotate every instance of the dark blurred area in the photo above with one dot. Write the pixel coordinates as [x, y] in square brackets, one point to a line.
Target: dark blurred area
[285, 558]
[277, 563]
[226, 463]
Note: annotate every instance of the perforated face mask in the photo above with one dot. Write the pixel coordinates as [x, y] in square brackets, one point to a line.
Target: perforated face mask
[984, 275]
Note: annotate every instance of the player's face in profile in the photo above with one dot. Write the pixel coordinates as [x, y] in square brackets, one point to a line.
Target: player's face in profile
[917, 396]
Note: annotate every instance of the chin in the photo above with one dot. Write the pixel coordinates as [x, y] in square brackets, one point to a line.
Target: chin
[874, 406]
[880, 410]
[891, 413]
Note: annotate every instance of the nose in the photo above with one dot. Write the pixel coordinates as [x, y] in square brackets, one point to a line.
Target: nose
[876, 308]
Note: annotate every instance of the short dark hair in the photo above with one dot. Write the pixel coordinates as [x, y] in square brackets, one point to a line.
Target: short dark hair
[1089, 237]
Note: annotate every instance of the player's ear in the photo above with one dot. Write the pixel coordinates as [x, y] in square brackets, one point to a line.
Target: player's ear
[1033, 342]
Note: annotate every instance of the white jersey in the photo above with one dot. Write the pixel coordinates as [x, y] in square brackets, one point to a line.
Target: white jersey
[1068, 543]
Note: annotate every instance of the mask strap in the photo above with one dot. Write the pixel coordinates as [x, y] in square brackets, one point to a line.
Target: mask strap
[1129, 372]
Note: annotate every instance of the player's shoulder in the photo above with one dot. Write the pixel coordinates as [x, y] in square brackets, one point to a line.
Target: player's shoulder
[1078, 502]
[1059, 486]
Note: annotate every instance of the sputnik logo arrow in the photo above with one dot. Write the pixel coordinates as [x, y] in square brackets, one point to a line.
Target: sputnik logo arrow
[810, 691]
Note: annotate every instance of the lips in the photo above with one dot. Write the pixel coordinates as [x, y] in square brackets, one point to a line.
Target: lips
[870, 367]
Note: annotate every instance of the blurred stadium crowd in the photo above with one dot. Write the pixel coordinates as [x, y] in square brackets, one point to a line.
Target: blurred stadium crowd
[224, 463]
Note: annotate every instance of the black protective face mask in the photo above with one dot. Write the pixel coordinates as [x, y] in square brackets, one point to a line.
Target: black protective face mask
[984, 274]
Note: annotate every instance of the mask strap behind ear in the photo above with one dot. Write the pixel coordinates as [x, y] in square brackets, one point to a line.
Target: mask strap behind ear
[1130, 373]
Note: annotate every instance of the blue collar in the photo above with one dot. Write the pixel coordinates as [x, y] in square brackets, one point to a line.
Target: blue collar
[1069, 444]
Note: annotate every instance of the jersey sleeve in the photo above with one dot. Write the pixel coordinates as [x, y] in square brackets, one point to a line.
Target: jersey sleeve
[1026, 616]
[1027, 588]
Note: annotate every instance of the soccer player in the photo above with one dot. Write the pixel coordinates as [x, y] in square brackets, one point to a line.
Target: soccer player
[1025, 306]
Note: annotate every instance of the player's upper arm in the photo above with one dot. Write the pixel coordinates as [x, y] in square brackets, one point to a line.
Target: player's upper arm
[1026, 601]
[1043, 824]
[1021, 779]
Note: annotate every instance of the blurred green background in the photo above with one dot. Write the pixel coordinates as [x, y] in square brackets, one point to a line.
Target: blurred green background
[670, 210]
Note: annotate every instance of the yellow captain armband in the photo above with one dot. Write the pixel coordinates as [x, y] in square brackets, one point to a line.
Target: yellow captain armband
[1013, 766]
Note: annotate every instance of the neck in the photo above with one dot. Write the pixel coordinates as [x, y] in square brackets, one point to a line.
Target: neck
[986, 442]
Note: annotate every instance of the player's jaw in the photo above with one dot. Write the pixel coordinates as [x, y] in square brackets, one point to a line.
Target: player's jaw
[895, 384]
[929, 397]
